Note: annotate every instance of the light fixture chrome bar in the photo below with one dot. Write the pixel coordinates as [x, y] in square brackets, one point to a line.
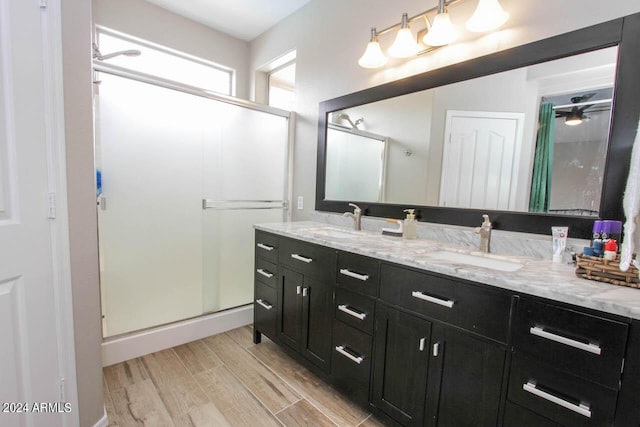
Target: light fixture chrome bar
[414, 18]
[578, 104]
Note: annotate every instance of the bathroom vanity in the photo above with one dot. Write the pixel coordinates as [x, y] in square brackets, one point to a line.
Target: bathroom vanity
[423, 338]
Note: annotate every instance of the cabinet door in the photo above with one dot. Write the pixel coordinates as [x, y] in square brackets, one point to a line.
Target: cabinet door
[317, 315]
[401, 359]
[290, 307]
[465, 376]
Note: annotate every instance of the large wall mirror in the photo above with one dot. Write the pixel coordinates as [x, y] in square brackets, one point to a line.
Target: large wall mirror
[537, 135]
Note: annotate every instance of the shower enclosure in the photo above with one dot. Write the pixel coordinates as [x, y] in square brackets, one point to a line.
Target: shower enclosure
[182, 177]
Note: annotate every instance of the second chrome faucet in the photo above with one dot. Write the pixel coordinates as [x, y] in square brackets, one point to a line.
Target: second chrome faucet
[356, 215]
[485, 234]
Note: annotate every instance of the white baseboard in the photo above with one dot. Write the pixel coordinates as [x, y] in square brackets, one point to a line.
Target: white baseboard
[152, 340]
[104, 421]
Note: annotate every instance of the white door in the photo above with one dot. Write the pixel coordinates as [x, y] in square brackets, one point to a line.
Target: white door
[29, 352]
[480, 166]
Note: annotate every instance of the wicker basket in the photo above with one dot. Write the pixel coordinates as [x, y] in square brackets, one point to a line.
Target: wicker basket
[602, 270]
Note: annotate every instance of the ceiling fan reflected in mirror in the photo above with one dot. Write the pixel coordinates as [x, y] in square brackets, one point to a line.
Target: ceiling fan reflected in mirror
[574, 113]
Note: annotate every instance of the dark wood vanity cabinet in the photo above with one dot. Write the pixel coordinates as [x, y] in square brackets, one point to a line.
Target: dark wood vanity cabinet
[266, 278]
[354, 307]
[427, 369]
[567, 364]
[293, 305]
[427, 349]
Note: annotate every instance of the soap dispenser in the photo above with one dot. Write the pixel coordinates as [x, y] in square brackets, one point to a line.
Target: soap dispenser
[410, 227]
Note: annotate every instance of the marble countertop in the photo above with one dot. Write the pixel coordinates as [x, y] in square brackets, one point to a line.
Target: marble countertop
[537, 277]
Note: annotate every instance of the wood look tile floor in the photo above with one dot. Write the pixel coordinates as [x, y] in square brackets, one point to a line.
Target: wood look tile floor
[224, 380]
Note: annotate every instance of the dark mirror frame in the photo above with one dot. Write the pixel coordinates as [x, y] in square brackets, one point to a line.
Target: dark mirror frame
[623, 32]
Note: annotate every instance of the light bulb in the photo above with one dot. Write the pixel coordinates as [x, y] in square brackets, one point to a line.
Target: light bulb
[373, 56]
[442, 31]
[488, 16]
[404, 45]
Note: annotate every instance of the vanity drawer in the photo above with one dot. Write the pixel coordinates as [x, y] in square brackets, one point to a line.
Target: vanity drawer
[475, 308]
[358, 273]
[267, 246]
[588, 346]
[351, 360]
[264, 310]
[517, 416]
[561, 397]
[309, 259]
[266, 272]
[355, 310]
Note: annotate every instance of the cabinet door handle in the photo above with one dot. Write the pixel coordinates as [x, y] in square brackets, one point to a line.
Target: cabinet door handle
[350, 273]
[301, 258]
[305, 291]
[436, 349]
[298, 290]
[265, 305]
[424, 297]
[265, 247]
[345, 308]
[581, 409]
[540, 332]
[421, 345]
[340, 349]
[265, 273]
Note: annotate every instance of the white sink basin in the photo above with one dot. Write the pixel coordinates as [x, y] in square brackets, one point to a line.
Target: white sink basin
[484, 261]
[333, 232]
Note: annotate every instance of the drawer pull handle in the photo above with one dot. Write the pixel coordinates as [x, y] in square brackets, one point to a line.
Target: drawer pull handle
[265, 273]
[350, 273]
[540, 332]
[301, 258]
[581, 409]
[420, 295]
[265, 247]
[265, 305]
[340, 349]
[344, 308]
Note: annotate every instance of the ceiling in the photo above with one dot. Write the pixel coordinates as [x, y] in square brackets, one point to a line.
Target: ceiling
[243, 19]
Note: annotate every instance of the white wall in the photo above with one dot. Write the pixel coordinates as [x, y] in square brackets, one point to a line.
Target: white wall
[330, 36]
[76, 57]
[147, 21]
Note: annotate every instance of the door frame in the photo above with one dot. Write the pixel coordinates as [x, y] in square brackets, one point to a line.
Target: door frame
[51, 21]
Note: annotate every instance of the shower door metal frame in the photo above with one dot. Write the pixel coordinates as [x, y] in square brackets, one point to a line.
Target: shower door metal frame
[285, 205]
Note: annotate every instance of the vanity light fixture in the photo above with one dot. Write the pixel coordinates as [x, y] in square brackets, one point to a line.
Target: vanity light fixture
[488, 16]
[442, 31]
[405, 45]
[373, 56]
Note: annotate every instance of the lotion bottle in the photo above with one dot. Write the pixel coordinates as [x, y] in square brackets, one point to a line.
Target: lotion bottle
[410, 227]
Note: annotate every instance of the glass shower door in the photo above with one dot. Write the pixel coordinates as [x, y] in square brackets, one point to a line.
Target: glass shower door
[245, 177]
[160, 153]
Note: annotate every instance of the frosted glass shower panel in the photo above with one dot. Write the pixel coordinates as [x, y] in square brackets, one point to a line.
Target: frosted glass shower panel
[150, 141]
[246, 155]
[229, 255]
[245, 180]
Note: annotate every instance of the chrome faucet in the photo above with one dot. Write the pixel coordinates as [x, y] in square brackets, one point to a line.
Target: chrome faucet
[485, 234]
[356, 215]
